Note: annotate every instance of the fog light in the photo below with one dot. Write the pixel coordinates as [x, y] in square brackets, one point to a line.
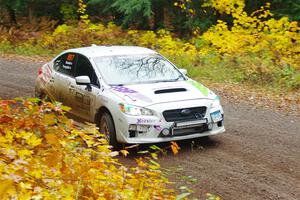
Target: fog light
[132, 134]
[220, 123]
[165, 132]
[132, 127]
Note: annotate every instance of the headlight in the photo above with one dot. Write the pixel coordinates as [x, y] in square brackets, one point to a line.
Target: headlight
[216, 103]
[134, 110]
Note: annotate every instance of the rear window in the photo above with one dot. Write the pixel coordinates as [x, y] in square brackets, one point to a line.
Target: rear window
[65, 64]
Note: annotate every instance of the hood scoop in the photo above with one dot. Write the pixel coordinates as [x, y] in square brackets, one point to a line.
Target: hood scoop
[171, 90]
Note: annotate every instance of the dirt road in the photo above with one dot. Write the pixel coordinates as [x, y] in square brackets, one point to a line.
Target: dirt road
[257, 158]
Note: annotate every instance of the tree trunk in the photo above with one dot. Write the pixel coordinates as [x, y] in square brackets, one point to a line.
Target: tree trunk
[31, 16]
[144, 24]
[12, 15]
[159, 17]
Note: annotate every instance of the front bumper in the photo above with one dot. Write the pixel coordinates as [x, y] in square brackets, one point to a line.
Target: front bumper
[148, 129]
[142, 140]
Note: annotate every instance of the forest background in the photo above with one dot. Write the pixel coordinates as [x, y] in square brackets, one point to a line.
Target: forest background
[254, 43]
[235, 41]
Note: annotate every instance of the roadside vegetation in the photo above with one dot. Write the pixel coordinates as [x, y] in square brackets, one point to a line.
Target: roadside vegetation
[44, 156]
[216, 55]
[245, 47]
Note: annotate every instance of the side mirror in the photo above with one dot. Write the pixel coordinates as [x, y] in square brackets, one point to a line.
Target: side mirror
[84, 80]
[183, 71]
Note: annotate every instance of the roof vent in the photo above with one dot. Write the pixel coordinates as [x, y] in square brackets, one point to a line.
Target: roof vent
[170, 90]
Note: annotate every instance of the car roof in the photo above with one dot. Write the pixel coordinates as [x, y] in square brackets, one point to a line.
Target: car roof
[98, 51]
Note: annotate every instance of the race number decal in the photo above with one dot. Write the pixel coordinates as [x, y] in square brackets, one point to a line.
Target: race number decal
[69, 61]
[86, 100]
[70, 57]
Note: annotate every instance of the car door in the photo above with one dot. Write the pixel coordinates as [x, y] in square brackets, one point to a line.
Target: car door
[64, 79]
[84, 100]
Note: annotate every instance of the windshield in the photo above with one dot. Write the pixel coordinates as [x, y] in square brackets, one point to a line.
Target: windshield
[134, 69]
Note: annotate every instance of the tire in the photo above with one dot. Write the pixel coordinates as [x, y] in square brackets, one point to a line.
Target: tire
[107, 127]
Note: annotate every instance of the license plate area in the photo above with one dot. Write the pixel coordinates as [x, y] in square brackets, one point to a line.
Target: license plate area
[216, 116]
[189, 127]
[142, 128]
[193, 123]
[139, 127]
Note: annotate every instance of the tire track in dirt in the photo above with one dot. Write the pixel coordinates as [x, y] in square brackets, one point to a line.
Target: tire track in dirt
[17, 78]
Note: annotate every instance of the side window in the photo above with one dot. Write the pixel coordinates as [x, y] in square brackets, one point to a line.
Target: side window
[85, 68]
[66, 63]
[58, 62]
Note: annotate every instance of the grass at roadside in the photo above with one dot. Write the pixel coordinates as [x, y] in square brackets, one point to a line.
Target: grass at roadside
[255, 49]
[267, 65]
[205, 68]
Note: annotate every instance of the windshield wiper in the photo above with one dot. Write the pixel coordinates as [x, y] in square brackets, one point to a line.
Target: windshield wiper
[180, 76]
[116, 84]
[154, 81]
[172, 80]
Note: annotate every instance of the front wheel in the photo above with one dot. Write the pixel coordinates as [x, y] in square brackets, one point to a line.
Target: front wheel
[107, 128]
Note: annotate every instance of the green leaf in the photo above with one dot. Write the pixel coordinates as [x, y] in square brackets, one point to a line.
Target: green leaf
[143, 152]
[154, 163]
[33, 100]
[154, 147]
[65, 108]
[182, 196]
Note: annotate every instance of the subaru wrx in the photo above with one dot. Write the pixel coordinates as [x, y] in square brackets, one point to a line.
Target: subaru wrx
[134, 94]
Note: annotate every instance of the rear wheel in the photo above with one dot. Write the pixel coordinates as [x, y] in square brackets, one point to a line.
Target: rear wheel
[43, 98]
[107, 128]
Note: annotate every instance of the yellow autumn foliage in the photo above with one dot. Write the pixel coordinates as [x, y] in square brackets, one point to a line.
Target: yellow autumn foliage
[255, 48]
[257, 33]
[82, 12]
[44, 156]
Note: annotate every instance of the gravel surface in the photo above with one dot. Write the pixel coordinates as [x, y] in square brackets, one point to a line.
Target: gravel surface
[257, 158]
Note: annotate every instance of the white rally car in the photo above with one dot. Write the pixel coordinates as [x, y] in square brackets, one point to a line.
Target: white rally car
[133, 94]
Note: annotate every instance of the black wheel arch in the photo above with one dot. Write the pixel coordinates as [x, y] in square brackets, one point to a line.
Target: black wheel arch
[100, 112]
[114, 142]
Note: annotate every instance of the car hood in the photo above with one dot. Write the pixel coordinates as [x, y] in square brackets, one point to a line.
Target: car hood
[162, 92]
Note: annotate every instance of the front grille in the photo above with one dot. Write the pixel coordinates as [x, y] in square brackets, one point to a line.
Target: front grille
[195, 113]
